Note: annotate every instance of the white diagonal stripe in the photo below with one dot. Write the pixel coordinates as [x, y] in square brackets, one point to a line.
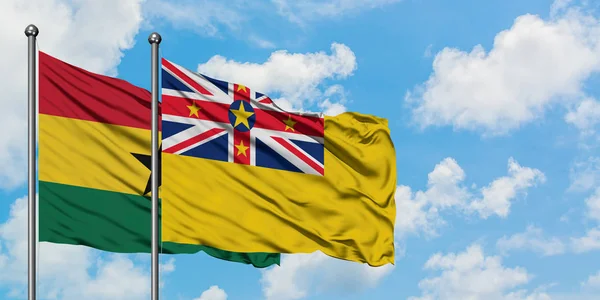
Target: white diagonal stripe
[199, 127]
[191, 121]
[230, 142]
[217, 94]
[293, 159]
[252, 149]
[188, 133]
[187, 95]
[261, 132]
[181, 136]
[218, 135]
[304, 152]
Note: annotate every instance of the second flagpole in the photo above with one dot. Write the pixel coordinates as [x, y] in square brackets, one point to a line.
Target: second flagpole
[31, 32]
[154, 39]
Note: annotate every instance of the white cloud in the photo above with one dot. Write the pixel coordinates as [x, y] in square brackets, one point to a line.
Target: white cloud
[589, 242]
[585, 116]
[585, 175]
[473, 275]
[210, 18]
[420, 211]
[214, 18]
[331, 109]
[427, 53]
[496, 196]
[593, 282]
[573, 296]
[296, 77]
[66, 271]
[261, 42]
[302, 274]
[532, 66]
[532, 239]
[118, 278]
[334, 102]
[167, 267]
[301, 11]
[203, 17]
[593, 205]
[90, 34]
[536, 295]
[213, 293]
[559, 6]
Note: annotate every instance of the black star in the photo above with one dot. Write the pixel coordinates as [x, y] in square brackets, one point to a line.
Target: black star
[147, 161]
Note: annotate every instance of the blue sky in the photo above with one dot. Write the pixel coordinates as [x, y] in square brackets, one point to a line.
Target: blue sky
[492, 109]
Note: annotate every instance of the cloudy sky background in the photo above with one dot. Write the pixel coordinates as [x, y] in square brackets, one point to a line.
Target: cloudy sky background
[492, 106]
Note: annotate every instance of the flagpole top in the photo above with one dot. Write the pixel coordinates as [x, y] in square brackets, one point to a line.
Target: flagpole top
[31, 30]
[154, 38]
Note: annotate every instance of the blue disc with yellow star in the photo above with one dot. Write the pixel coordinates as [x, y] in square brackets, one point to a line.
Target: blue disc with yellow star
[241, 115]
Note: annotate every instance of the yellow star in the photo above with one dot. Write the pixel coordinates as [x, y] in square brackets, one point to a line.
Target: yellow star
[289, 124]
[241, 87]
[193, 109]
[241, 116]
[241, 148]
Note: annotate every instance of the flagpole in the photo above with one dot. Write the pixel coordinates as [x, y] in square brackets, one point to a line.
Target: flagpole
[154, 39]
[31, 32]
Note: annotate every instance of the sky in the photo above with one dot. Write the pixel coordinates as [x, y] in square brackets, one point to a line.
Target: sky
[493, 108]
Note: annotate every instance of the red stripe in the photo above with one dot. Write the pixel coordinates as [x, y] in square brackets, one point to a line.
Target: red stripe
[72, 92]
[266, 100]
[275, 120]
[238, 138]
[200, 89]
[299, 154]
[193, 140]
[266, 119]
[211, 111]
[243, 94]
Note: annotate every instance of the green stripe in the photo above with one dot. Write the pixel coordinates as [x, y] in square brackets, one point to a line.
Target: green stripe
[114, 222]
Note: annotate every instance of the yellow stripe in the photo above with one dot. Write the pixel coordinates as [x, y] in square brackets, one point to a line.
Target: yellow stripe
[349, 213]
[92, 155]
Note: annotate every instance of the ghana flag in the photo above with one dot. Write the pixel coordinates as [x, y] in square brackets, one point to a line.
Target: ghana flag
[94, 164]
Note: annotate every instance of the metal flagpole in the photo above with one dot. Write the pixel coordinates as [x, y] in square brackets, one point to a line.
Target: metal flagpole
[154, 40]
[31, 32]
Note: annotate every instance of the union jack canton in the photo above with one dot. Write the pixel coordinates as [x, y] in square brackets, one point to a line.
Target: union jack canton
[207, 118]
